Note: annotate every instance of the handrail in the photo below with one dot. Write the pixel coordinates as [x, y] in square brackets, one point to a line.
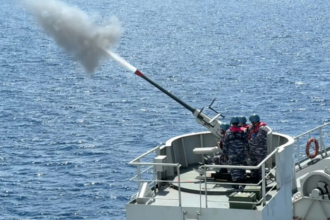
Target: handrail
[145, 154]
[142, 172]
[189, 182]
[158, 164]
[244, 167]
[262, 163]
[298, 145]
[171, 181]
[314, 129]
[136, 162]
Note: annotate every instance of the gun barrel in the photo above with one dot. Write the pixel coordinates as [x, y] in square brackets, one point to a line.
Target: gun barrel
[212, 124]
[137, 72]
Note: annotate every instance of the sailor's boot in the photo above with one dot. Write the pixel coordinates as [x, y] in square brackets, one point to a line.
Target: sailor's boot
[238, 181]
[236, 186]
[242, 181]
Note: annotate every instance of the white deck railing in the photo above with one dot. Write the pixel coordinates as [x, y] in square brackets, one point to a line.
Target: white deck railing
[263, 173]
[137, 178]
[319, 133]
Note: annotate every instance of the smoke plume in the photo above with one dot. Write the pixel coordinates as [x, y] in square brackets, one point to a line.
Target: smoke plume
[74, 31]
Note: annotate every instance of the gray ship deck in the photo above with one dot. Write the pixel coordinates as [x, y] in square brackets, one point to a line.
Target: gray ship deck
[191, 181]
[170, 197]
[192, 187]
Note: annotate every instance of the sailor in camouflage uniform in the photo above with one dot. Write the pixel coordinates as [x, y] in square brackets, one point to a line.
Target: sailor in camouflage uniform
[219, 158]
[257, 145]
[242, 123]
[234, 146]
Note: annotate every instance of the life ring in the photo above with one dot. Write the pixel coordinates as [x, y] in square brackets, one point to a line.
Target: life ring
[316, 148]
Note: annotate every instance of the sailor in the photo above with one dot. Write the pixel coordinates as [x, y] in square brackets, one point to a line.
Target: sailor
[242, 123]
[257, 144]
[234, 146]
[219, 158]
[223, 128]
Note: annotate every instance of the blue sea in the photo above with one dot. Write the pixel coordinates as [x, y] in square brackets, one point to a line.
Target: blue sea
[66, 136]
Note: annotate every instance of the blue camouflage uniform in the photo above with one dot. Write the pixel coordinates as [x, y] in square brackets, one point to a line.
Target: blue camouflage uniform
[234, 146]
[258, 147]
[219, 158]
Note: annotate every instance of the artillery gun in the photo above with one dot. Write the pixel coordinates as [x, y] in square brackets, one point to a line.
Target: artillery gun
[212, 124]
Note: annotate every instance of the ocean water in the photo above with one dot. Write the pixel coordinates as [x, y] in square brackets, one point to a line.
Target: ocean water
[66, 137]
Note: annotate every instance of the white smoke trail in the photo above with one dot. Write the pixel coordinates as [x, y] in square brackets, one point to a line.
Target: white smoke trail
[121, 61]
[73, 30]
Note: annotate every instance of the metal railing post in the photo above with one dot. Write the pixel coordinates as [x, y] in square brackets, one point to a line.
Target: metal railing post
[155, 174]
[200, 194]
[179, 184]
[298, 153]
[138, 174]
[322, 148]
[308, 134]
[263, 184]
[205, 186]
